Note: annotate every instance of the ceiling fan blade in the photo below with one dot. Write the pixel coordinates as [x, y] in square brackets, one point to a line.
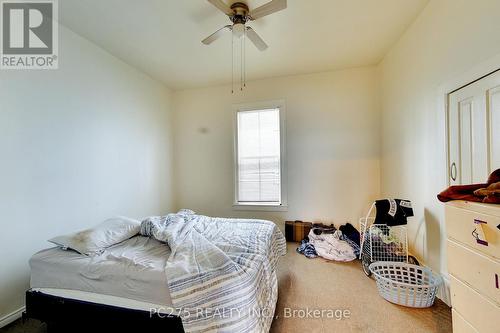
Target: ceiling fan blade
[268, 8]
[215, 35]
[256, 40]
[222, 6]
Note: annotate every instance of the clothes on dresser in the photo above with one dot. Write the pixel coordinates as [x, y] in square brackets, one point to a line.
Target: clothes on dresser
[466, 192]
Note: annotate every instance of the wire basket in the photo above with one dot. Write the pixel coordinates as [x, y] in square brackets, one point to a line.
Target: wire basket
[384, 243]
[406, 284]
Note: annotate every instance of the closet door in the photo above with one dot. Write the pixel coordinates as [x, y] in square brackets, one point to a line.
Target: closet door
[454, 170]
[494, 120]
[468, 137]
[474, 131]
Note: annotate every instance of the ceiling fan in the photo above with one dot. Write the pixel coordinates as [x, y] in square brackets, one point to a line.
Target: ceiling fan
[240, 14]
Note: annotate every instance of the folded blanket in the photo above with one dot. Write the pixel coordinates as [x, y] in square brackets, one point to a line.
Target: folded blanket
[221, 272]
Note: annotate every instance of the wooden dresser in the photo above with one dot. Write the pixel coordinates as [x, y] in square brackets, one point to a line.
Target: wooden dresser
[474, 265]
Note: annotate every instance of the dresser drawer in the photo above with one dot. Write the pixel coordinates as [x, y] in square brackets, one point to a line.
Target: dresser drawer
[460, 223]
[479, 271]
[481, 313]
[460, 325]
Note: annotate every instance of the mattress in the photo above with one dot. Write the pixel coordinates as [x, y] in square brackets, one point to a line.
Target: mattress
[133, 270]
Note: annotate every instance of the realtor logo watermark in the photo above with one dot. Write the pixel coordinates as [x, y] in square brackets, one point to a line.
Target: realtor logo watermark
[29, 34]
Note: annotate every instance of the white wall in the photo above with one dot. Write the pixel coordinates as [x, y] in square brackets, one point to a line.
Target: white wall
[332, 143]
[93, 139]
[448, 39]
[77, 145]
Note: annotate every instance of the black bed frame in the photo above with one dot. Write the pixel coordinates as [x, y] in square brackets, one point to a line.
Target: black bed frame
[69, 315]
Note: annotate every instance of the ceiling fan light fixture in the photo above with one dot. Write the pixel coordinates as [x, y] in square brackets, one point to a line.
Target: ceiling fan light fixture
[238, 30]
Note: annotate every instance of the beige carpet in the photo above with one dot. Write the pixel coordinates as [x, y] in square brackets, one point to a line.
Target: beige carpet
[319, 284]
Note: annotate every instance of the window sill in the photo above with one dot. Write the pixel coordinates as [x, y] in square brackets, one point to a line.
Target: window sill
[257, 207]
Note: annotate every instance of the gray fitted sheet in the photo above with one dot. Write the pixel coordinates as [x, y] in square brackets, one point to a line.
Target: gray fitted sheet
[133, 269]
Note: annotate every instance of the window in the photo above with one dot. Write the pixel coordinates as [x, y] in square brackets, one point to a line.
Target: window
[259, 157]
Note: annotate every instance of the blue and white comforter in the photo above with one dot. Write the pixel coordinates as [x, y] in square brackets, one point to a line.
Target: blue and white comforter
[221, 272]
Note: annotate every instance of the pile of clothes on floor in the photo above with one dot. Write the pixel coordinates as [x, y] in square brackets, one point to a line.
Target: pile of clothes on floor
[340, 244]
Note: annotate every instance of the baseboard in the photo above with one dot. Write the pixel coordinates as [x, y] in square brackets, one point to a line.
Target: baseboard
[11, 317]
[444, 291]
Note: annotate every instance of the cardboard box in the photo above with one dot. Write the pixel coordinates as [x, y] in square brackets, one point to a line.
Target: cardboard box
[295, 231]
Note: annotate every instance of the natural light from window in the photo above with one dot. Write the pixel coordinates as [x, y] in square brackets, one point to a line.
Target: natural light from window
[259, 157]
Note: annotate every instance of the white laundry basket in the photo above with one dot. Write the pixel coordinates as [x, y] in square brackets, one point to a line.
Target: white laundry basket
[406, 284]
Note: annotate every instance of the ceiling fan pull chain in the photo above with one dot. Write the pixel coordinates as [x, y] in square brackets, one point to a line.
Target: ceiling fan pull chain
[245, 58]
[232, 64]
[241, 64]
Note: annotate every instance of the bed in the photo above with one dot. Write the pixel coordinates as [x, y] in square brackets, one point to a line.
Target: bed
[161, 280]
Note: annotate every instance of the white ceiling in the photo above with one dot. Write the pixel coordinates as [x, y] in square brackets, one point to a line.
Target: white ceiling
[163, 37]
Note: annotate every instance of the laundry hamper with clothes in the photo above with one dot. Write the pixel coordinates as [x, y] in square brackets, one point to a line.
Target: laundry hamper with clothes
[405, 284]
[383, 233]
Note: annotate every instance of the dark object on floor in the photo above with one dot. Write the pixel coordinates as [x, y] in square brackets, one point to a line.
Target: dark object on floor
[321, 225]
[307, 249]
[365, 264]
[319, 228]
[393, 212]
[295, 231]
[68, 315]
[350, 232]
[466, 192]
[412, 260]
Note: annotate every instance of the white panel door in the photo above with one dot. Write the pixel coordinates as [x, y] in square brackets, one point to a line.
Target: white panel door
[465, 124]
[474, 131]
[494, 114]
[467, 138]
[454, 141]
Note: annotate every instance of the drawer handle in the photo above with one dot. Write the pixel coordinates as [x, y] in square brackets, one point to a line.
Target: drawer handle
[496, 281]
[478, 233]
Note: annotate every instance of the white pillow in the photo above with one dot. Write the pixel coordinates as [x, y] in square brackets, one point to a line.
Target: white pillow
[95, 240]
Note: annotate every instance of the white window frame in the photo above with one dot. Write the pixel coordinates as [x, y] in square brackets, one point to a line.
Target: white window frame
[276, 104]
